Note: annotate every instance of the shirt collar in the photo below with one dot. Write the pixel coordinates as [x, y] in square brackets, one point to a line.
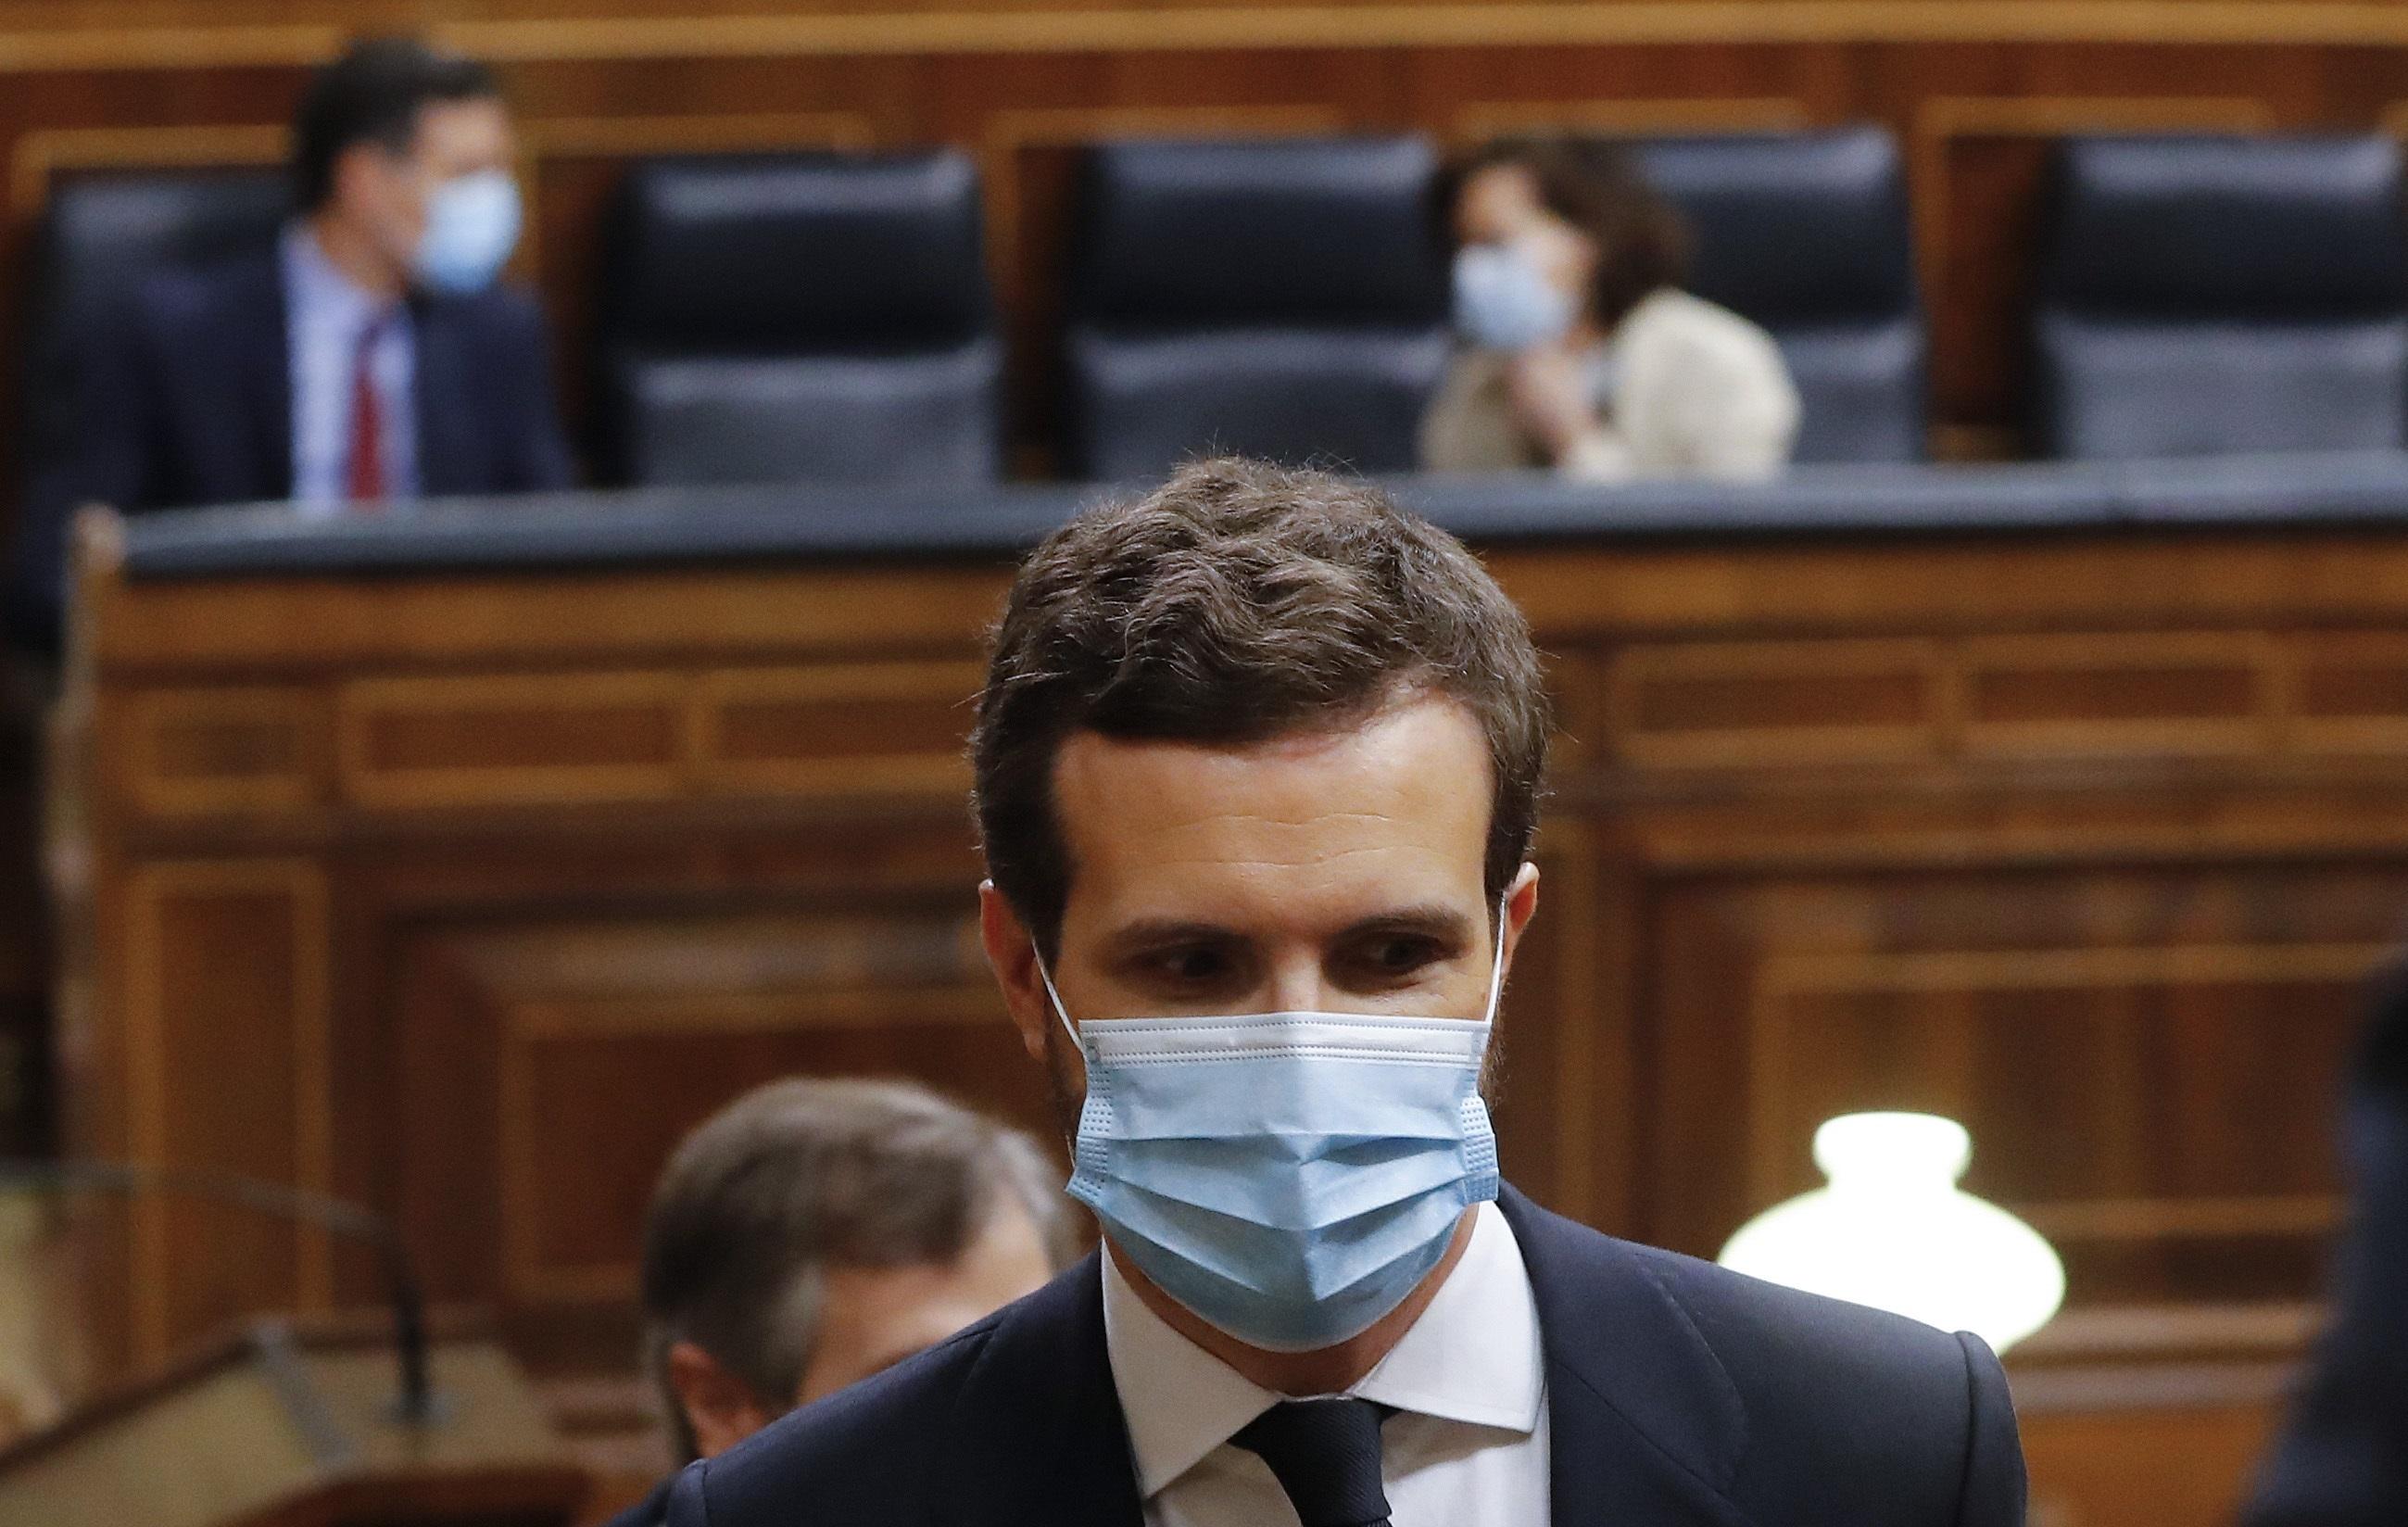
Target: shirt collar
[320, 286]
[1472, 1357]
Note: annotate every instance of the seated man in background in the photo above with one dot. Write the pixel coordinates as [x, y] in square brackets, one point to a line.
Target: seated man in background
[368, 356]
[1582, 353]
[814, 1233]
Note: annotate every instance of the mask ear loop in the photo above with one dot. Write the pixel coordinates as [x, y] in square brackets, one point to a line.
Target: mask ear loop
[1061, 1014]
[1496, 966]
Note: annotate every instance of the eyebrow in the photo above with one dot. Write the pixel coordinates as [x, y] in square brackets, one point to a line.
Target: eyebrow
[1430, 921]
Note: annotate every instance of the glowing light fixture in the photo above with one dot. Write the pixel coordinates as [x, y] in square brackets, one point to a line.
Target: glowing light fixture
[1894, 1230]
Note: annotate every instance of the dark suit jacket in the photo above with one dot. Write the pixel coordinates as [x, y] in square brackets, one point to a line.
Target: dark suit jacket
[187, 400]
[2344, 1460]
[1679, 1395]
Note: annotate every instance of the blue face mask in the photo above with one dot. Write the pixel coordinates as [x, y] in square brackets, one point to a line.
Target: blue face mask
[1289, 1177]
[1504, 301]
[472, 225]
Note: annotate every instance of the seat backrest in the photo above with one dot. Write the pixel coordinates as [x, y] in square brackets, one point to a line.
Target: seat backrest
[2200, 296]
[800, 317]
[98, 239]
[1281, 298]
[1807, 235]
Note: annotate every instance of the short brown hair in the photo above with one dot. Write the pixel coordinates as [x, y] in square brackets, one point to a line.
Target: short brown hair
[1641, 242]
[1237, 603]
[798, 1176]
[376, 93]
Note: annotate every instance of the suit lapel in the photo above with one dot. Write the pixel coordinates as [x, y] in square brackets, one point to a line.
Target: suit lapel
[1645, 1429]
[1042, 1437]
[443, 395]
[259, 352]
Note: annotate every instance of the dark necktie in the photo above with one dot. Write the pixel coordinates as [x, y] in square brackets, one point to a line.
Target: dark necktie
[1325, 1454]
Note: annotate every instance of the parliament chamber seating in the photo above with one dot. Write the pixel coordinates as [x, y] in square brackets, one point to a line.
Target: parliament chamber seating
[98, 237]
[1281, 298]
[788, 318]
[2207, 296]
[1807, 235]
[97, 240]
[456, 862]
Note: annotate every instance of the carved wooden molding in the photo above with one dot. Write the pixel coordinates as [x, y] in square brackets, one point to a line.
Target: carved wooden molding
[208, 752]
[2071, 695]
[570, 35]
[157, 896]
[1476, 121]
[1773, 1034]
[837, 729]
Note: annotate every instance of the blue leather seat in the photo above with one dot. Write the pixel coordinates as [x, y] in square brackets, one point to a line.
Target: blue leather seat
[791, 318]
[1807, 235]
[97, 240]
[2203, 295]
[1281, 298]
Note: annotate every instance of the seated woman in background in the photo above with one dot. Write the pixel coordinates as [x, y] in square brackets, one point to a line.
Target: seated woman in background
[1582, 352]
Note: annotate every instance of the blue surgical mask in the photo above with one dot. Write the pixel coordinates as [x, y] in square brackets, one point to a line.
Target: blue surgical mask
[1289, 1177]
[1504, 301]
[472, 225]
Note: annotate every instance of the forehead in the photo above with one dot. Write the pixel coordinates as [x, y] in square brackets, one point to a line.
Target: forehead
[474, 126]
[1499, 195]
[1396, 808]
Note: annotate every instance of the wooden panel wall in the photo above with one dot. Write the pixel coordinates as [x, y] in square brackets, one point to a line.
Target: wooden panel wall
[1973, 89]
[466, 895]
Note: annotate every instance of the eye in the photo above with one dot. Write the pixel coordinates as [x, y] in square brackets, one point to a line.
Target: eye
[1386, 958]
[1188, 967]
[1193, 963]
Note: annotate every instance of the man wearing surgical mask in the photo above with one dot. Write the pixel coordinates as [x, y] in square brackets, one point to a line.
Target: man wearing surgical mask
[1257, 769]
[1580, 353]
[371, 355]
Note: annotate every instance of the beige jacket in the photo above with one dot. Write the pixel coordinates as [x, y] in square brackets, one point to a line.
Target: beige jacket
[1695, 391]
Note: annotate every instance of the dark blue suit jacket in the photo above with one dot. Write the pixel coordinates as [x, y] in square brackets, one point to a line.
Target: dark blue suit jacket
[187, 400]
[1679, 1395]
[2343, 1460]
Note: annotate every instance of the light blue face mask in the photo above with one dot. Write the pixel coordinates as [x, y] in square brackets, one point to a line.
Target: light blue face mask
[1290, 1177]
[1504, 301]
[472, 225]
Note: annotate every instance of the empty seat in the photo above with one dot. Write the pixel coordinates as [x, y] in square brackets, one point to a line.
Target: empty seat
[792, 318]
[2211, 294]
[1281, 298]
[1807, 235]
[98, 239]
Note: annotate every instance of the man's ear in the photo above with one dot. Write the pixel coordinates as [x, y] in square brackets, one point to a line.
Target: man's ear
[721, 1409]
[1011, 953]
[1521, 904]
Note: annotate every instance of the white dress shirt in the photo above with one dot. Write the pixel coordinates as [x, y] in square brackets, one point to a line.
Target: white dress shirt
[1467, 1447]
[325, 316]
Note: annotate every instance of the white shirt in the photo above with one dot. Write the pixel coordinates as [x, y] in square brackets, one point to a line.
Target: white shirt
[1695, 391]
[1467, 1447]
[325, 316]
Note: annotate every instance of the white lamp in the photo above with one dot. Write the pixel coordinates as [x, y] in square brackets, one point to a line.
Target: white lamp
[1894, 1230]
